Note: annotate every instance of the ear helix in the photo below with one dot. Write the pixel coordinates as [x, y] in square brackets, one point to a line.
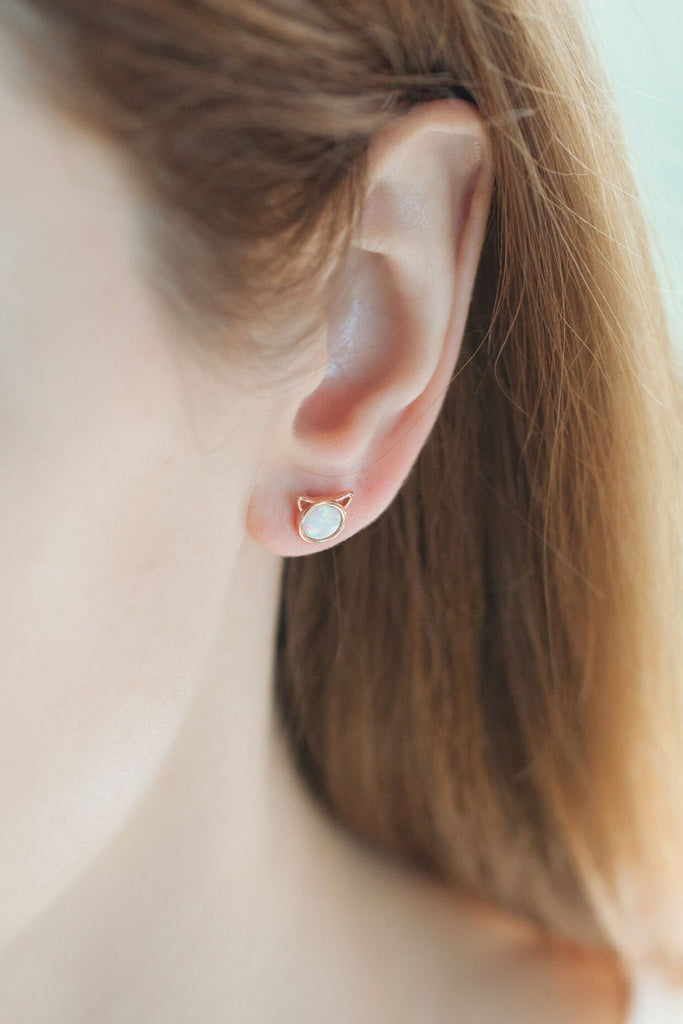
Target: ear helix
[322, 518]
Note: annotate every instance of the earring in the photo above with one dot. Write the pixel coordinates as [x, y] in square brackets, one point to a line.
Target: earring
[322, 518]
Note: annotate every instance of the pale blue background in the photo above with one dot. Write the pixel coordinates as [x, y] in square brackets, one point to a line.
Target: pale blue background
[641, 43]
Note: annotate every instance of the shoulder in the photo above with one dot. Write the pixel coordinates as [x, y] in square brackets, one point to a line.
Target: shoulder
[526, 979]
[452, 957]
[569, 985]
[654, 1000]
[486, 966]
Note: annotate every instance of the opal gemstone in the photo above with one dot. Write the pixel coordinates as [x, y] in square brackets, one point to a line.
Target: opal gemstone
[321, 521]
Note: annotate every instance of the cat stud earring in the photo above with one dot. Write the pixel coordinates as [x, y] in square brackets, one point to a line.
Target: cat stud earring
[322, 518]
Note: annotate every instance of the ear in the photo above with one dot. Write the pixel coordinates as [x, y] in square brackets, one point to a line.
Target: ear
[396, 316]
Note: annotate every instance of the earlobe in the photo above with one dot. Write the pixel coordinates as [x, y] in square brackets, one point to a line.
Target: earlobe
[396, 317]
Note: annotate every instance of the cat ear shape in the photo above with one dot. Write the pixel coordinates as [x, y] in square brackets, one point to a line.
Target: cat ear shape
[303, 502]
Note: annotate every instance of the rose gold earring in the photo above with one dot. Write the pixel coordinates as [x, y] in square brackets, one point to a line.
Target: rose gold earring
[322, 518]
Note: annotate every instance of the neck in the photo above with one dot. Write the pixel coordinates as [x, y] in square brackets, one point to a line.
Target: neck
[226, 893]
[192, 868]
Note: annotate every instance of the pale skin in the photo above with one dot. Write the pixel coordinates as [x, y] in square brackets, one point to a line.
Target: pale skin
[161, 860]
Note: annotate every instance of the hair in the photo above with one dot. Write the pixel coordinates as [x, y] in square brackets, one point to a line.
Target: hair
[486, 681]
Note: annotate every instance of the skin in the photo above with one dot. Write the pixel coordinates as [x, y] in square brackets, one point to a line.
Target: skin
[160, 858]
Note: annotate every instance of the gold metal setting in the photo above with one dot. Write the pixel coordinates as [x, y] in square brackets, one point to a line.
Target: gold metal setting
[305, 504]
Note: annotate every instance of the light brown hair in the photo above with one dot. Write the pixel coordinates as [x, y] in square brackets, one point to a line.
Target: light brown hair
[487, 680]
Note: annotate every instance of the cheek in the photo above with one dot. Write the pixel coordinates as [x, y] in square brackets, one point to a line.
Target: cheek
[95, 491]
[104, 628]
[89, 696]
[120, 511]
[87, 441]
[89, 398]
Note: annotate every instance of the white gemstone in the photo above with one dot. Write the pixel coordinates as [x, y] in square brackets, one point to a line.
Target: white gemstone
[321, 521]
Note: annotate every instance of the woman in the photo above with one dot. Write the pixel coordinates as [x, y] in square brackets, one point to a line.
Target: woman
[339, 556]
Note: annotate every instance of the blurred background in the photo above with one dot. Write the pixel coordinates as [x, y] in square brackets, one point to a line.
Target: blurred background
[641, 44]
